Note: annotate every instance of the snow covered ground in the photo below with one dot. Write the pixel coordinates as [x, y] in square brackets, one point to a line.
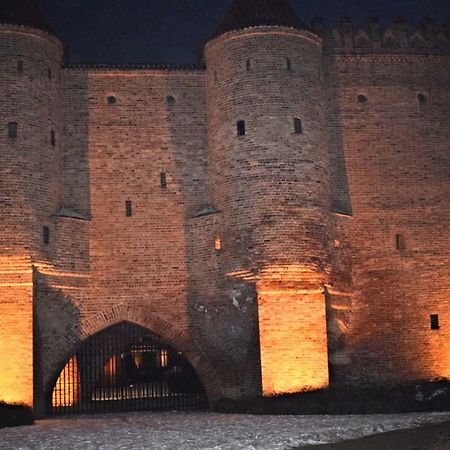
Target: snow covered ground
[194, 430]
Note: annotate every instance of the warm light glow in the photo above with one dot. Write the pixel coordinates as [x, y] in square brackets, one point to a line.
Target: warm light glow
[164, 358]
[218, 243]
[284, 272]
[138, 358]
[292, 272]
[110, 369]
[67, 388]
[16, 330]
[46, 268]
[292, 328]
[437, 342]
[246, 274]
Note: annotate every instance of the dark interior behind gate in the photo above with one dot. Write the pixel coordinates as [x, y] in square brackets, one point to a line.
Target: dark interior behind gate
[126, 368]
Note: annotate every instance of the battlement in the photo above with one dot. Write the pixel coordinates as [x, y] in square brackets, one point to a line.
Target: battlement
[401, 36]
[132, 67]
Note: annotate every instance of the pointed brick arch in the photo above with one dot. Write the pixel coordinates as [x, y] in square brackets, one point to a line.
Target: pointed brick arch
[177, 338]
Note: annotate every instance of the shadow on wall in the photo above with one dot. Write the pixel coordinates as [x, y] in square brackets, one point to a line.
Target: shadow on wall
[340, 193]
[57, 331]
[222, 312]
[57, 316]
[76, 134]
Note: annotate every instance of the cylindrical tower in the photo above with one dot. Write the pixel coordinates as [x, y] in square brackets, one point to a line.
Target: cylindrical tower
[30, 184]
[269, 177]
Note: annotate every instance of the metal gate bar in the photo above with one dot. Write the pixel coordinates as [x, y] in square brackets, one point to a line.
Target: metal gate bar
[126, 368]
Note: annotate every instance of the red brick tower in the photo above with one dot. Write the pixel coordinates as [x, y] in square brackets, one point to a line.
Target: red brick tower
[30, 58]
[269, 177]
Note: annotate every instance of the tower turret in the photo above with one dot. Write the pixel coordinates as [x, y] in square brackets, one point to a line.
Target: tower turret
[30, 124]
[31, 57]
[269, 177]
[23, 13]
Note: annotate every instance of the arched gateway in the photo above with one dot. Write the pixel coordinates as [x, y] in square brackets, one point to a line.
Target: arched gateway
[126, 367]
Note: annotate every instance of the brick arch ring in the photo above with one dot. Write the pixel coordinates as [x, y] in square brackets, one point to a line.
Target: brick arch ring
[178, 339]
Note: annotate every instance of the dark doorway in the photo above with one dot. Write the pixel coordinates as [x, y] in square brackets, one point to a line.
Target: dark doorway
[126, 368]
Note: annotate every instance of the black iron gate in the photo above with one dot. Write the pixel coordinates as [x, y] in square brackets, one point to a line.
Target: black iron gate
[126, 368]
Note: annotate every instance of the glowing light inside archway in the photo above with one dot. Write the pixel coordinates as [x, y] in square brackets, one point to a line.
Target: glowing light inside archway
[66, 391]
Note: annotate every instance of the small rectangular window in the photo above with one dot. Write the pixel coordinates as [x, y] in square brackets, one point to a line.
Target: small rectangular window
[240, 125]
[217, 243]
[53, 138]
[12, 130]
[163, 180]
[20, 66]
[434, 322]
[46, 235]
[49, 74]
[298, 127]
[128, 208]
[288, 64]
[248, 64]
[399, 242]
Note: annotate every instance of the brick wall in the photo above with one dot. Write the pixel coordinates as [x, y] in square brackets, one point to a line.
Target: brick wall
[141, 259]
[397, 157]
[223, 309]
[108, 264]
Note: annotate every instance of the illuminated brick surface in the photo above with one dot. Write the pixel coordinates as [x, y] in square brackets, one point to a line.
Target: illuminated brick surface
[268, 258]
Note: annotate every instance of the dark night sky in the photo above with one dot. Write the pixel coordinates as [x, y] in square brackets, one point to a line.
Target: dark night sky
[173, 31]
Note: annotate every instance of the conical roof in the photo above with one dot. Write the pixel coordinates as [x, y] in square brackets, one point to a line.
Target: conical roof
[23, 12]
[253, 13]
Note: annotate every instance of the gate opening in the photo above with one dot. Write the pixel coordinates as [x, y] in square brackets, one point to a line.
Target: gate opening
[126, 368]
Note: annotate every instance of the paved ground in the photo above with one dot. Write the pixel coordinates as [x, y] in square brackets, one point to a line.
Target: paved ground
[212, 431]
[428, 437]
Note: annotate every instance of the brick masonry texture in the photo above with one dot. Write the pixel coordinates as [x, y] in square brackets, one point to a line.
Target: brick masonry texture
[275, 261]
[272, 188]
